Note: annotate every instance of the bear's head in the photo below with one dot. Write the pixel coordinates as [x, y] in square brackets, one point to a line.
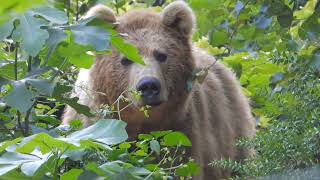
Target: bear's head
[163, 40]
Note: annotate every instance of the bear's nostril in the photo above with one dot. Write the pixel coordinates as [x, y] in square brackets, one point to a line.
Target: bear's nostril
[149, 87]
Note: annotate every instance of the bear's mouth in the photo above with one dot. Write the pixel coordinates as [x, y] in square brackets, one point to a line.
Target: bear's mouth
[152, 103]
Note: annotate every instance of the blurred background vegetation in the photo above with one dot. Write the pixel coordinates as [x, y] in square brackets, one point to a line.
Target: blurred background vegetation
[271, 45]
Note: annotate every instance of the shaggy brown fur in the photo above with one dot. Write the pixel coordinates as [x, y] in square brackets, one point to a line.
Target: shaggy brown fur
[213, 115]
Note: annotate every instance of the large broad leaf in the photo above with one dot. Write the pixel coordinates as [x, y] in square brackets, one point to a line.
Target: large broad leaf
[108, 132]
[58, 94]
[29, 163]
[20, 98]
[55, 37]
[33, 37]
[53, 15]
[43, 86]
[89, 35]
[127, 49]
[44, 142]
[6, 30]
[7, 144]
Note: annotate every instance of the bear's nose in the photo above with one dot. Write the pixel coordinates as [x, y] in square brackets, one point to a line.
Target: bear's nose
[150, 89]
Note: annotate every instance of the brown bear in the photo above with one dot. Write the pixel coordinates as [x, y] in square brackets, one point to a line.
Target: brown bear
[213, 114]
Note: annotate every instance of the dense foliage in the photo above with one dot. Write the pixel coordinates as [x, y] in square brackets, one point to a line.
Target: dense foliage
[271, 45]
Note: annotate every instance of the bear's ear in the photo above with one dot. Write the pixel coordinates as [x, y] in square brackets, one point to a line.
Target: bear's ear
[180, 16]
[102, 12]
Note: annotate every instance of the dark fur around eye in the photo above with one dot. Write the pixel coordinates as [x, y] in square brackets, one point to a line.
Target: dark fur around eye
[125, 61]
[161, 57]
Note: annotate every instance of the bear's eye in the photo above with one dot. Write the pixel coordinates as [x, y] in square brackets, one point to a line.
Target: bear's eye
[125, 61]
[161, 57]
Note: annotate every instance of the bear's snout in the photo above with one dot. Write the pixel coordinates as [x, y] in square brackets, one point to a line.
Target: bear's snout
[150, 88]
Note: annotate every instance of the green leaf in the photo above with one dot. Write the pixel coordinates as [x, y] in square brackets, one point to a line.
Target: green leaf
[6, 30]
[44, 87]
[85, 175]
[92, 166]
[53, 15]
[89, 35]
[306, 11]
[125, 145]
[29, 163]
[127, 49]
[145, 137]
[76, 54]
[138, 171]
[6, 168]
[188, 170]
[73, 174]
[111, 168]
[14, 174]
[6, 144]
[56, 36]
[7, 69]
[158, 134]
[219, 38]
[108, 132]
[176, 139]
[44, 142]
[33, 38]
[75, 155]
[155, 146]
[58, 94]
[76, 124]
[20, 98]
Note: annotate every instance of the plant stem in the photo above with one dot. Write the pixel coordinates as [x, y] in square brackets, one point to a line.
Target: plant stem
[117, 7]
[19, 122]
[16, 78]
[68, 10]
[26, 122]
[29, 63]
[77, 10]
[16, 62]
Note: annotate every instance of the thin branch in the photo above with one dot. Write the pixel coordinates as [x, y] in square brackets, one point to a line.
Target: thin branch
[16, 62]
[26, 121]
[29, 63]
[77, 10]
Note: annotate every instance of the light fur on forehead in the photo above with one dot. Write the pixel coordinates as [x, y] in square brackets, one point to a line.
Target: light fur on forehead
[180, 16]
[102, 12]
